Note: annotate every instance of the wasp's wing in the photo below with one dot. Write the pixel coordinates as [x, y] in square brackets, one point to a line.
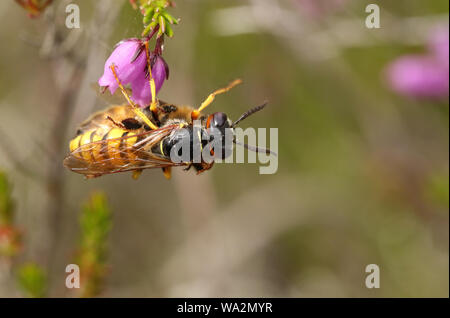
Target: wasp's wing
[113, 156]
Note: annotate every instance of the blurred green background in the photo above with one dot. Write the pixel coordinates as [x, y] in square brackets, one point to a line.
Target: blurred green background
[363, 172]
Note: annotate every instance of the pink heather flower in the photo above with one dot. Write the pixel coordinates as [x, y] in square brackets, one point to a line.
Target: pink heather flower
[128, 65]
[423, 76]
[130, 62]
[140, 86]
[418, 76]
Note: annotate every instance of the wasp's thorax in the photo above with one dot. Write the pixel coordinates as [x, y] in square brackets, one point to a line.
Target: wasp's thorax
[193, 142]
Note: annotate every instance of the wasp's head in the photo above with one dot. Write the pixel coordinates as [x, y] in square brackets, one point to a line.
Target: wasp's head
[218, 121]
[219, 124]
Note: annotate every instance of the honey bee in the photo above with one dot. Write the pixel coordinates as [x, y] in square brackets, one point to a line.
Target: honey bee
[126, 138]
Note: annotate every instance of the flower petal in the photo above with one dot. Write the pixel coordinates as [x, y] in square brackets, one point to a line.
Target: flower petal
[141, 87]
[127, 66]
[418, 76]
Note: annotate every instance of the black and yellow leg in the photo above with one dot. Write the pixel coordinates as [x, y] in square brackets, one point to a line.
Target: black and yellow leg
[196, 112]
[135, 108]
[151, 80]
[167, 172]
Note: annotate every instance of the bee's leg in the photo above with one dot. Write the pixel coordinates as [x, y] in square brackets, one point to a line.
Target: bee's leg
[119, 125]
[136, 174]
[154, 103]
[167, 172]
[135, 108]
[196, 112]
[131, 124]
[203, 167]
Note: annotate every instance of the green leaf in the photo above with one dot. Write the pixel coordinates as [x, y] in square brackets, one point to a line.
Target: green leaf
[437, 189]
[148, 15]
[169, 30]
[96, 224]
[162, 26]
[169, 18]
[156, 15]
[6, 202]
[149, 28]
[32, 280]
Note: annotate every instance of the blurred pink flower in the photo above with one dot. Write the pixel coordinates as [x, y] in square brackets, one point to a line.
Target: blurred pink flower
[423, 76]
[439, 45]
[130, 62]
[418, 76]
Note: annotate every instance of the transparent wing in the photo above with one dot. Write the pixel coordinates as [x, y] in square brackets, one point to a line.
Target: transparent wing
[113, 156]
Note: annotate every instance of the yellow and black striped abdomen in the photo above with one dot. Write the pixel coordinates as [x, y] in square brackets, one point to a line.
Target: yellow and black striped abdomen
[110, 147]
[97, 152]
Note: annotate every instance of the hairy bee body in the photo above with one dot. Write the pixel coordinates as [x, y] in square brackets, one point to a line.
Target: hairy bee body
[123, 114]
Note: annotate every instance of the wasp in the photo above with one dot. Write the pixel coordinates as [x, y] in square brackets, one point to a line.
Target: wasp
[127, 138]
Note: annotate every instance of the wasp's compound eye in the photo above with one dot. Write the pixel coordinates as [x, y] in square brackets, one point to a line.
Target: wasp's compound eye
[219, 120]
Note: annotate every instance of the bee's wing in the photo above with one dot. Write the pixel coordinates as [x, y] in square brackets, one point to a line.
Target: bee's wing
[112, 157]
[105, 95]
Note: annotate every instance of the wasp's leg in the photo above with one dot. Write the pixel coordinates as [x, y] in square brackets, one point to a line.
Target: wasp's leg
[203, 167]
[119, 125]
[196, 112]
[135, 108]
[151, 80]
[167, 172]
[136, 174]
[131, 124]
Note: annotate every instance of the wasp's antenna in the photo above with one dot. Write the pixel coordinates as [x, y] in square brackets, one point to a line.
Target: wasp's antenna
[249, 113]
[255, 148]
